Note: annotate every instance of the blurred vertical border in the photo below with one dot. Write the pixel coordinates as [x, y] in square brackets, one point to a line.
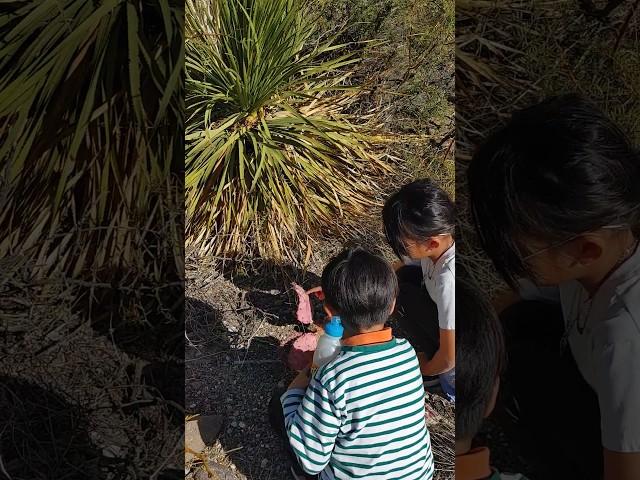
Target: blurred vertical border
[91, 239]
[511, 54]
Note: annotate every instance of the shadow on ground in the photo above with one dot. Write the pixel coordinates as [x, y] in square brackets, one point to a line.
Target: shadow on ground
[233, 373]
[43, 436]
[267, 288]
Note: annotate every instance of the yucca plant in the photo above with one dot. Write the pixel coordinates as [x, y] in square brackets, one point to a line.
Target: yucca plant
[90, 105]
[91, 160]
[272, 152]
[91, 114]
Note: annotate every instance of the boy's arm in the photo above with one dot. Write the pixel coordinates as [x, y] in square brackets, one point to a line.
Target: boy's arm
[302, 380]
[312, 423]
[444, 359]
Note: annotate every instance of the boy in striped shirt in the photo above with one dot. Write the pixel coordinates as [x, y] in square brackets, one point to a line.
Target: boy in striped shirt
[362, 414]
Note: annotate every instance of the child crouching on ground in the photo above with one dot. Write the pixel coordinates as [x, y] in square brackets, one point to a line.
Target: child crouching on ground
[481, 357]
[362, 414]
[419, 222]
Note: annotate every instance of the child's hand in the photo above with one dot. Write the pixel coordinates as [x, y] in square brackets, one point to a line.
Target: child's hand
[317, 291]
[302, 379]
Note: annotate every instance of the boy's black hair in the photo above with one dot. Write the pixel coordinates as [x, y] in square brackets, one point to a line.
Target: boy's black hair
[480, 357]
[556, 170]
[361, 286]
[418, 211]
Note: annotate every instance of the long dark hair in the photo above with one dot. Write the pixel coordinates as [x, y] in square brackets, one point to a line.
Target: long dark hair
[418, 211]
[558, 169]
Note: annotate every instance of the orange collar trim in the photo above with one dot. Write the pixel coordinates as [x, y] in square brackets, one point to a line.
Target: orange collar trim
[379, 336]
[473, 465]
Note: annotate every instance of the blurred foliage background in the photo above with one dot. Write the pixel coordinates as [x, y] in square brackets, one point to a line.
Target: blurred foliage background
[91, 242]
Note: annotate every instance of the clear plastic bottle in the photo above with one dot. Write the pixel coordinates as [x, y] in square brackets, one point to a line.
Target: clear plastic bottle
[328, 344]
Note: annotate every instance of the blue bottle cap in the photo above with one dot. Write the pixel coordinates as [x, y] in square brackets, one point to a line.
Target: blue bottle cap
[334, 328]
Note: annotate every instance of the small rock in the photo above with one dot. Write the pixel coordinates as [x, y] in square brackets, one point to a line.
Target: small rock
[219, 472]
[264, 463]
[200, 432]
[234, 424]
[113, 451]
[242, 424]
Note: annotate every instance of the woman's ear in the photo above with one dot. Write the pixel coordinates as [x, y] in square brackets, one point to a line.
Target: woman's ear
[491, 404]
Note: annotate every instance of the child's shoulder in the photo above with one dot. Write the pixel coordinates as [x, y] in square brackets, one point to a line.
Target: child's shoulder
[347, 361]
[630, 294]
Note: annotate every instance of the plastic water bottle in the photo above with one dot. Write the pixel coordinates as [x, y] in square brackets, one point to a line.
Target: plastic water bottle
[328, 344]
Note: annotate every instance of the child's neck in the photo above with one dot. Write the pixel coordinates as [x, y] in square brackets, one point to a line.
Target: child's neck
[463, 446]
[608, 264]
[351, 332]
[446, 244]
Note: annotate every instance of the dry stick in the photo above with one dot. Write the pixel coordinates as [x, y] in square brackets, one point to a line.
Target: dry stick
[256, 331]
[625, 25]
[204, 461]
[4, 470]
[204, 356]
[233, 450]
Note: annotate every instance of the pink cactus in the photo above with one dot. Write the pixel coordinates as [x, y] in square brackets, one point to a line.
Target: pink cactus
[303, 314]
[301, 351]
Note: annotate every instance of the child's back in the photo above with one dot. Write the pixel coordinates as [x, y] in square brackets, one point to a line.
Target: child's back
[362, 415]
[369, 403]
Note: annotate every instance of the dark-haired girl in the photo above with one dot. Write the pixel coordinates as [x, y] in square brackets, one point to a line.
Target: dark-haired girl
[419, 222]
[555, 197]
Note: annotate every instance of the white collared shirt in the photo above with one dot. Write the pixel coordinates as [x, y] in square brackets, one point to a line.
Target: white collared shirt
[607, 351]
[440, 282]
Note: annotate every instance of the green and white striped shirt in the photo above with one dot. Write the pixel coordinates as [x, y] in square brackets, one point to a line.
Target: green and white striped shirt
[362, 416]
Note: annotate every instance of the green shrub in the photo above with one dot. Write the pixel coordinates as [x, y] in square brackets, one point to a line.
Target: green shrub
[271, 152]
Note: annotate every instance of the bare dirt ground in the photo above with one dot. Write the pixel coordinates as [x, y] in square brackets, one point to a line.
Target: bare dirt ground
[237, 318]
